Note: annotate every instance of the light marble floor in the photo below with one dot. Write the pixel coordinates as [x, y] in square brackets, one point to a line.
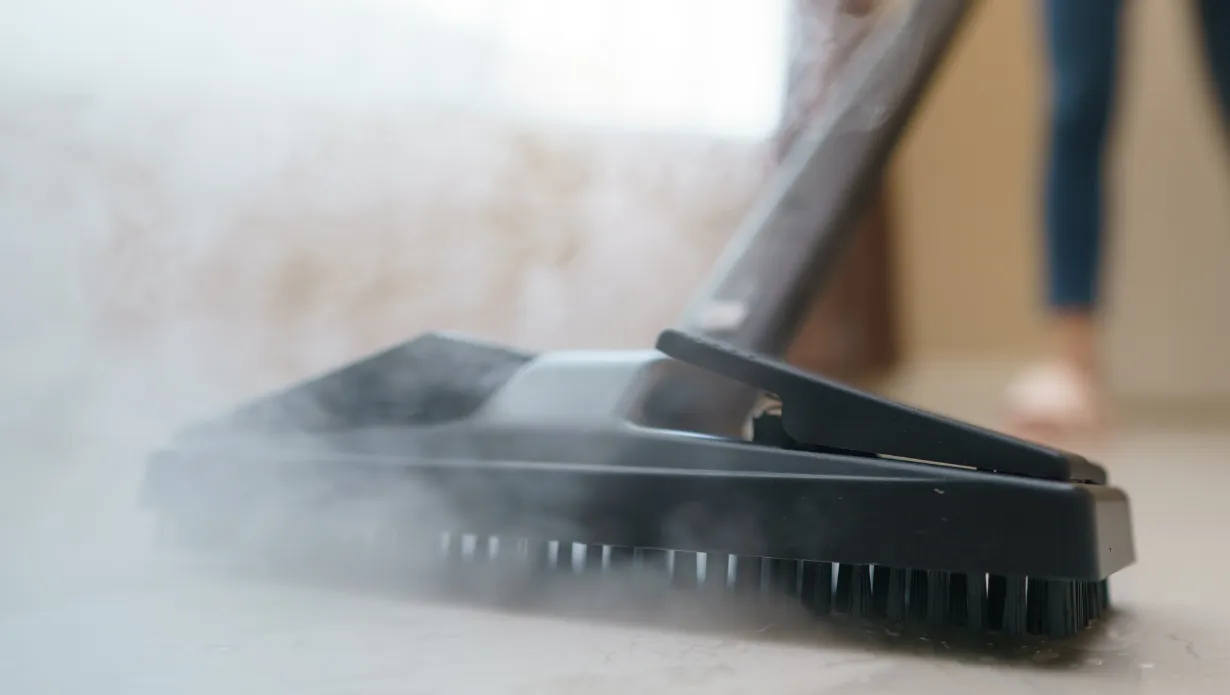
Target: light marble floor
[83, 609]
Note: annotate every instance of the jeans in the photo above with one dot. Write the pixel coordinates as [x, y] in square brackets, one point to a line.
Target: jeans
[1083, 39]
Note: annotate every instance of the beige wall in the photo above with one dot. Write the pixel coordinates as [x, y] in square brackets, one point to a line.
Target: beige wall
[968, 181]
[964, 180]
[207, 257]
[1168, 333]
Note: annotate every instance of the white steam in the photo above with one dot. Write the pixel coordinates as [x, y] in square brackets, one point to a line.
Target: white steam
[200, 200]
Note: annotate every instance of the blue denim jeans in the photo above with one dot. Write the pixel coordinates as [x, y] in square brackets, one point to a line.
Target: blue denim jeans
[1083, 38]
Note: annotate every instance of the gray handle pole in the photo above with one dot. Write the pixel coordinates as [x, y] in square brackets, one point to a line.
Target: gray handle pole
[756, 295]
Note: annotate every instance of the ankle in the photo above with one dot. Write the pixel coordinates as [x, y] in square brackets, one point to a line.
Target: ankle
[1076, 343]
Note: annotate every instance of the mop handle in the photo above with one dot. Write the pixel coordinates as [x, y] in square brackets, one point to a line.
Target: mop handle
[756, 296]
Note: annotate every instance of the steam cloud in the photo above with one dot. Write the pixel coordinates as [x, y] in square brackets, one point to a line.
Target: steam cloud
[200, 201]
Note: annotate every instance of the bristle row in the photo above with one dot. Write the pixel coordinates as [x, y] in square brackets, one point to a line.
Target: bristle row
[1011, 605]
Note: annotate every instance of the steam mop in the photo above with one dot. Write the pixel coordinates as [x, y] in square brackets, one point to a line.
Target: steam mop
[481, 456]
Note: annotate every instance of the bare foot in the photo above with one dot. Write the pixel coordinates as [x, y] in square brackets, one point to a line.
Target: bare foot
[1055, 404]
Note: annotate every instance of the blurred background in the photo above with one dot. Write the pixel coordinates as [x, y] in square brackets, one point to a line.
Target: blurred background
[204, 199]
[967, 192]
[255, 190]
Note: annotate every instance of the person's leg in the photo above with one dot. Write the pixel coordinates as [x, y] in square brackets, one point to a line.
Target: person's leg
[1215, 30]
[1082, 41]
[1083, 45]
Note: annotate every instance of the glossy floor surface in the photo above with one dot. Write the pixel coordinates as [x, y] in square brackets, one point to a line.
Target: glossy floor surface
[84, 609]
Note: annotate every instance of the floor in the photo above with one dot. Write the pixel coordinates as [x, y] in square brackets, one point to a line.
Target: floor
[86, 608]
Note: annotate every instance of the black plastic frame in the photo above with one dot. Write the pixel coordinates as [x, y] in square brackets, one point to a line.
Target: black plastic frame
[595, 478]
[762, 502]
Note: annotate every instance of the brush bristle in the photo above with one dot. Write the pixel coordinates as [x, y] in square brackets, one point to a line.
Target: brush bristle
[1014, 606]
[982, 603]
